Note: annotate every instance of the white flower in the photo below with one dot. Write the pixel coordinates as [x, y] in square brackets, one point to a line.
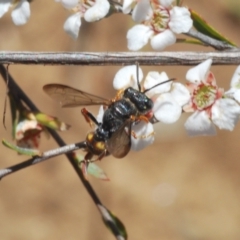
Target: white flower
[139, 7]
[69, 4]
[127, 77]
[100, 114]
[160, 23]
[30, 125]
[168, 106]
[234, 91]
[27, 134]
[208, 104]
[168, 99]
[4, 6]
[20, 13]
[72, 25]
[90, 10]
[144, 135]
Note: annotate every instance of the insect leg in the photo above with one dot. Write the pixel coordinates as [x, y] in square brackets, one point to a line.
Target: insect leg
[139, 118]
[118, 95]
[88, 159]
[101, 156]
[142, 136]
[89, 117]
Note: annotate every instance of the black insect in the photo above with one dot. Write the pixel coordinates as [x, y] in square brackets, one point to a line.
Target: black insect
[113, 134]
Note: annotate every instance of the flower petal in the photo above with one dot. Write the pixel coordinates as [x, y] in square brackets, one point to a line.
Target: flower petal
[127, 77]
[31, 143]
[199, 124]
[24, 126]
[100, 114]
[69, 3]
[141, 10]
[233, 93]
[138, 37]
[235, 82]
[199, 73]
[21, 13]
[225, 113]
[166, 109]
[145, 135]
[4, 6]
[180, 93]
[98, 11]
[72, 25]
[236, 95]
[154, 78]
[127, 6]
[180, 20]
[48, 121]
[163, 39]
[165, 3]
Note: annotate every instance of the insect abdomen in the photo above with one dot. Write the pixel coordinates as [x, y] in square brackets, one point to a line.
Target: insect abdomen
[95, 147]
[116, 115]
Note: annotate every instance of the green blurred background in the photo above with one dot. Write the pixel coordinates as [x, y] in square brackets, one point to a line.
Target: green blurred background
[178, 188]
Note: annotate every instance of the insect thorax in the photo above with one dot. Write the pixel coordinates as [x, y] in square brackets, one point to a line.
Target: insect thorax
[140, 100]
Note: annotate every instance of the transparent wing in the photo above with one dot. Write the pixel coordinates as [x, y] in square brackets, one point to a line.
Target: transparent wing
[71, 97]
[120, 143]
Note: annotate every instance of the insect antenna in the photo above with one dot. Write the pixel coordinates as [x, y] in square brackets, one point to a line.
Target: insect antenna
[138, 83]
[169, 80]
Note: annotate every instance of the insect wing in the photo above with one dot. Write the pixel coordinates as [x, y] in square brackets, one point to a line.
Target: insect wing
[71, 97]
[120, 143]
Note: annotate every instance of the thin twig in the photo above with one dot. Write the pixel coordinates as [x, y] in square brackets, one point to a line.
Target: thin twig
[119, 58]
[46, 155]
[216, 44]
[5, 100]
[14, 87]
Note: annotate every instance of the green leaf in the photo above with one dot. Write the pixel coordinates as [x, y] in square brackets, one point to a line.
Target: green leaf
[178, 2]
[49, 121]
[94, 170]
[109, 219]
[24, 151]
[191, 41]
[14, 115]
[202, 26]
[91, 168]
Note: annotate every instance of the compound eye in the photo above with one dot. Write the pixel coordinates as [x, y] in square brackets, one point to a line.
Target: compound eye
[147, 104]
[150, 103]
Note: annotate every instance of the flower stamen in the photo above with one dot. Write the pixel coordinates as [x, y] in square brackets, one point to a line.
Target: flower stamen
[204, 96]
[160, 20]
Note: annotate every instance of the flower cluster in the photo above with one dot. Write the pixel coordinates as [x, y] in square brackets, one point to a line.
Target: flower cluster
[209, 104]
[157, 20]
[90, 10]
[168, 97]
